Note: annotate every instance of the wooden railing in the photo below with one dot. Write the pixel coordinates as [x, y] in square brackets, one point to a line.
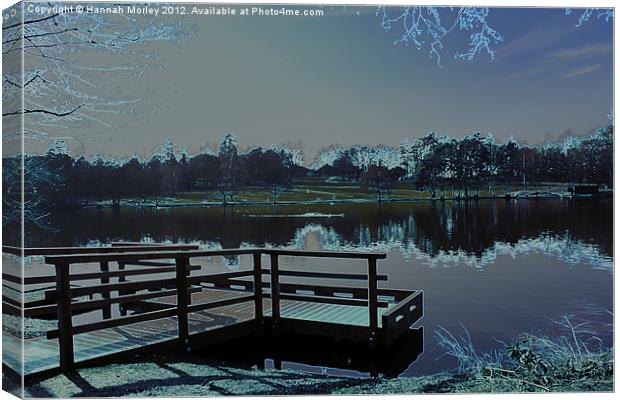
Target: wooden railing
[184, 282]
[46, 305]
[116, 247]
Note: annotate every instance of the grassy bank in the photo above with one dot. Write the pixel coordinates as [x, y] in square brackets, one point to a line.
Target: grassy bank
[314, 191]
[171, 377]
[575, 362]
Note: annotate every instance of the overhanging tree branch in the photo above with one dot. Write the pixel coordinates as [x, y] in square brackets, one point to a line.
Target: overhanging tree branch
[54, 45]
[32, 21]
[42, 111]
[41, 35]
[37, 76]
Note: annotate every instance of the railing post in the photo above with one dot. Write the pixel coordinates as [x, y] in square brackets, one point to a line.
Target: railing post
[64, 314]
[107, 310]
[258, 290]
[275, 295]
[182, 302]
[372, 301]
[122, 278]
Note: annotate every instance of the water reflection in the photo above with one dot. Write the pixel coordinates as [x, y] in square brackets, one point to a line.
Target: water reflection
[514, 266]
[437, 232]
[563, 248]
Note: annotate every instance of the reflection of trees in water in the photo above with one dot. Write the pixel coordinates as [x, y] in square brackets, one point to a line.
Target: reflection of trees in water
[564, 248]
[428, 228]
[474, 227]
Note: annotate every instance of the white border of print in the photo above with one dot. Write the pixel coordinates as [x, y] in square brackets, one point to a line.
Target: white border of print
[502, 3]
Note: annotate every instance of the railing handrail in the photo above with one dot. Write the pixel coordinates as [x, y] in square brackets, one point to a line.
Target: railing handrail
[165, 254]
[325, 253]
[138, 256]
[115, 248]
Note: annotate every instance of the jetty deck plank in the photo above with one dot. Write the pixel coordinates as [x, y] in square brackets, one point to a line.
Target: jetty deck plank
[302, 310]
[42, 354]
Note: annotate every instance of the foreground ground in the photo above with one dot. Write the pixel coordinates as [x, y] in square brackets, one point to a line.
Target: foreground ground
[173, 375]
[577, 361]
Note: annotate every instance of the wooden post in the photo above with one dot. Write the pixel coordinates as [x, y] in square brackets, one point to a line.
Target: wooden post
[182, 302]
[64, 314]
[258, 290]
[372, 301]
[121, 267]
[275, 295]
[107, 310]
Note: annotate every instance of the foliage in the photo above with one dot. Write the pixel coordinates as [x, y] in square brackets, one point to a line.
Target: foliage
[380, 179]
[462, 349]
[440, 164]
[59, 86]
[56, 180]
[437, 164]
[421, 25]
[430, 26]
[601, 13]
[537, 362]
[229, 166]
[43, 189]
[475, 161]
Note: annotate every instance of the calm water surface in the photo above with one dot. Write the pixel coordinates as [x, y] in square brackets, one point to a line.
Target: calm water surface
[497, 268]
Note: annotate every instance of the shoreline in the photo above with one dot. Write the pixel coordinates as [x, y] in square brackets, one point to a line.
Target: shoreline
[529, 363]
[249, 203]
[174, 375]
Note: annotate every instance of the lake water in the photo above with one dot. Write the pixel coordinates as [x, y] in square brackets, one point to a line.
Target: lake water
[497, 268]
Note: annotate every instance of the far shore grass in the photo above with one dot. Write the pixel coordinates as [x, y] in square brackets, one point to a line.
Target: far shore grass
[315, 191]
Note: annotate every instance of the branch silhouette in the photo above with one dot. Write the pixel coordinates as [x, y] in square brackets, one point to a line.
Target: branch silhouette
[42, 111]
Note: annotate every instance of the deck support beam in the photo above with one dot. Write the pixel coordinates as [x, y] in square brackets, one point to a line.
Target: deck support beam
[258, 291]
[275, 295]
[182, 302]
[104, 266]
[64, 314]
[372, 301]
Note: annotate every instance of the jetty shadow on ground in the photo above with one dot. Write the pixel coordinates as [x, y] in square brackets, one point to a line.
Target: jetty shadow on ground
[325, 355]
[290, 364]
[174, 375]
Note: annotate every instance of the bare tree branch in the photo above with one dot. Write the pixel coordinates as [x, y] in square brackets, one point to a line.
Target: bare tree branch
[7, 80]
[32, 21]
[42, 111]
[41, 35]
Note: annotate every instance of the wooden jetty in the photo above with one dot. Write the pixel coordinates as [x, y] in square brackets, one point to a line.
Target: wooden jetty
[168, 297]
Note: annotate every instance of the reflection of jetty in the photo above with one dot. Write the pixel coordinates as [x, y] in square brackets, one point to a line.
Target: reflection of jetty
[172, 300]
[319, 353]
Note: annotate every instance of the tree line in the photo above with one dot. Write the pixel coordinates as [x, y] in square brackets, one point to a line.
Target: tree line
[475, 162]
[438, 164]
[432, 163]
[166, 173]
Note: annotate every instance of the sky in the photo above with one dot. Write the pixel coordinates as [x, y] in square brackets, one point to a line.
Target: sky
[340, 79]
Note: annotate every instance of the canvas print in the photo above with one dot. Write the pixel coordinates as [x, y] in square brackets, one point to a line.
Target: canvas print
[204, 199]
